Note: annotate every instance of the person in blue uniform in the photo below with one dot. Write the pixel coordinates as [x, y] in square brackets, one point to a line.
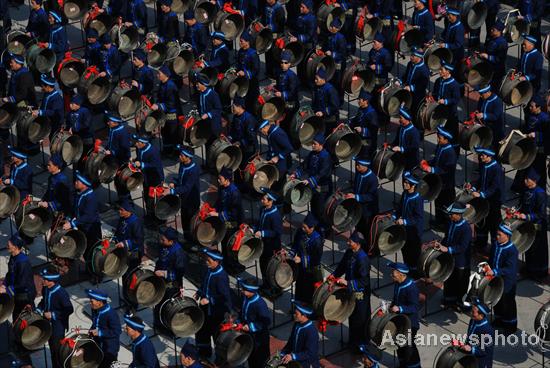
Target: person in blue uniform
[479, 330]
[52, 105]
[248, 66]
[196, 33]
[269, 228]
[303, 344]
[532, 208]
[214, 299]
[129, 232]
[279, 150]
[137, 15]
[92, 53]
[58, 36]
[79, 122]
[380, 60]
[20, 173]
[489, 186]
[532, 11]
[56, 307]
[210, 105]
[370, 355]
[410, 213]
[443, 164]
[143, 351]
[118, 142]
[143, 76]
[325, 101]
[168, 102]
[503, 261]
[219, 54]
[365, 123]
[446, 91]
[406, 301]
[307, 251]
[38, 25]
[117, 8]
[355, 267]
[187, 185]
[495, 52]
[189, 356]
[273, 17]
[407, 140]
[336, 47]
[350, 8]
[106, 327]
[422, 18]
[305, 25]
[453, 35]
[256, 319]
[416, 77]
[287, 87]
[243, 131]
[229, 205]
[110, 58]
[530, 63]
[149, 162]
[169, 28]
[59, 194]
[365, 191]
[457, 243]
[21, 83]
[490, 111]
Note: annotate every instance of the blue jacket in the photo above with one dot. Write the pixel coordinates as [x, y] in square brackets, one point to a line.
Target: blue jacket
[532, 10]
[279, 145]
[58, 41]
[21, 87]
[306, 28]
[53, 108]
[490, 184]
[219, 58]
[424, 20]
[492, 110]
[92, 54]
[538, 124]
[274, 17]
[188, 185]
[365, 188]
[318, 168]
[326, 100]
[405, 296]
[453, 37]
[444, 165]
[449, 90]
[145, 78]
[151, 165]
[243, 130]
[408, 139]
[21, 178]
[168, 99]
[86, 210]
[20, 279]
[478, 332]
[497, 50]
[215, 288]
[356, 267]
[38, 24]
[169, 28]
[117, 8]
[270, 226]
[173, 260]
[256, 315]
[144, 354]
[308, 248]
[457, 239]
[119, 143]
[411, 210]
[533, 205]
[56, 300]
[337, 45]
[130, 232]
[197, 36]
[383, 61]
[504, 263]
[110, 60]
[229, 204]
[530, 65]
[59, 193]
[287, 84]
[107, 324]
[249, 62]
[137, 13]
[417, 77]
[367, 119]
[303, 344]
[80, 122]
[211, 105]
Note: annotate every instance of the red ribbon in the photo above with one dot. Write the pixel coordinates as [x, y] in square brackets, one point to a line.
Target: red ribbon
[155, 192]
[431, 8]
[205, 210]
[239, 238]
[330, 2]
[146, 101]
[468, 62]
[231, 326]
[251, 168]
[105, 244]
[68, 341]
[133, 282]
[280, 43]
[91, 70]
[149, 46]
[424, 165]
[23, 324]
[60, 3]
[361, 24]
[258, 27]
[27, 200]
[261, 100]
[322, 324]
[380, 313]
[228, 8]
[400, 29]
[97, 145]
[320, 52]
[221, 76]
[486, 268]
[189, 123]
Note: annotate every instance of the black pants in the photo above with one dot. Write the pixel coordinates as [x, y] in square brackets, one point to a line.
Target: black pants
[363, 226]
[408, 355]
[54, 343]
[20, 302]
[488, 226]
[264, 261]
[536, 258]
[170, 137]
[108, 359]
[411, 249]
[359, 321]
[505, 310]
[260, 355]
[443, 200]
[305, 282]
[456, 285]
[209, 330]
[93, 236]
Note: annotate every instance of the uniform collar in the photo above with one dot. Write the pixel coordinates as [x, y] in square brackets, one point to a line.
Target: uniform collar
[139, 340]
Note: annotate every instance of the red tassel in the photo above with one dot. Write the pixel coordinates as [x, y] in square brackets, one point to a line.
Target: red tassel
[68, 341]
[239, 238]
[23, 324]
[205, 210]
[133, 282]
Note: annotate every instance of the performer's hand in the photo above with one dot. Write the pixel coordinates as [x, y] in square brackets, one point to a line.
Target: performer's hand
[394, 309]
[240, 73]
[154, 107]
[441, 101]
[287, 358]
[484, 55]
[119, 245]
[399, 221]
[34, 113]
[48, 315]
[2, 289]
[489, 272]
[246, 328]
[396, 149]
[522, 78]
[467, 348]
[278, 94]
[349, 196]
[204, 301]
[43, 204]
[93, 332]
[293, 39]
[343, 282]
[137, 163]
[102, 74]
[135, 83]
[467, 186]
[476, 194]
[297, 259]
[443, 248]
[67, 226]
[107, 152]
[161, 273]
[204, 116]
[479, 115]
[171, 185]
[358, 129]
[373, 67]
[258, 234]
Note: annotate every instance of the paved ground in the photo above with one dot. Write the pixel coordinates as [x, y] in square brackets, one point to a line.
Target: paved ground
[531, 295]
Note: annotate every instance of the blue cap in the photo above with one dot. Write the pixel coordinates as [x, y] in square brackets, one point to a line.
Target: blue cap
[186, 151]
[336, 23]
[418, 52]
[189, 14]
[499, 25]
[139, 54]
[249, 284]
[286, 56]
[91, 33]
[447, 66]
[214, 254]
[456, 208]
[269, 193]
[165, 70]
[239, 101]
[308, 4]
[364, 161]
[190, 351]
[57, 160]
[141, 139]
[371, 352]
[83, 179]
[379, 37]
[218, 35]
[19, 59]
[264, 124]
[484, 151]
[47, 80]
[533, 174]
[134, 322]
[357, 237]
[106, 38]
[311, 220]
[50, 275]
[77, 99]
[55, 16]
[126, 204]
[319, 138]
[505, 228]
[365, 95]
[97, 294]
[226, 173]
[484, 89]
[304, 309]
[203, 79]
[112, 117]
[538, 100]
[322, 73]
[398, 266]
[17, 240]
[16, 153]
[170, 233]
[529, 38]
[405, 113]
[453, 11]
[410, 178]
[481, 306]
[423, 2]
[246, 36]
[441, 131]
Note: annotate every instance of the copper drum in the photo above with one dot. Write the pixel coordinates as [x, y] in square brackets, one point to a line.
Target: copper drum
[410, 38]
[232, 85]
[69, 71]
[388, 236]
[194, 130]
[305, 125]
[9, 200]
[67, 243]
[357, 77]
[430, 114]
[143, 287]
[109, 260]
[67, 145]
[100, 168]
[342, 213]
[208, 231]
[259, 173]
[157, 52]
[102, 23]
[9, 114]
[515, 92]
[344, 143]
[488, 289]
[183, 62]
[315, 60]
[6, 307]
[18, 41]
[435, 264]
[546, 46]
[32, 330]
[154, 121]
[542, 323]
[393, 96]
[473, 135]
[297, 193]
[35, 129]
[222, 153]
[518, 150]
[33, 220]
[514, 27]
[327, 13]
[269, 106]
[39, 59]
[129, 177]
[182, 316]
[167, 206]
[388, 164]
[232, 25]
[234, 347]
[250, 247]
[475, 71]
[80, 350]
[430, 184]
[210, 72]
[180, 6]
[523, 234]
[205, 11]
[453, 356]
[473, 13]
[75, 9]
[125, 101]
[366, 29]
[281, 271]
[383, 323]
[95, 88]
[296, 49]
[333, 302]
[126, 38]
[262, 36]
[436, 55]
[477, 208]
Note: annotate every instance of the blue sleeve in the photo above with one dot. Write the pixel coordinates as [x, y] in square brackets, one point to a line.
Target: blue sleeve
[59, 42]
[334, 102]
[311, 346]
[88, 212]
[65, 309]
[24, 278]
[411, 305]
[369, 192]
[113, 328]
[461, 242]
[192, 177]
[411, 142]
[362, 282]
[325, 170]
[276, 227]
